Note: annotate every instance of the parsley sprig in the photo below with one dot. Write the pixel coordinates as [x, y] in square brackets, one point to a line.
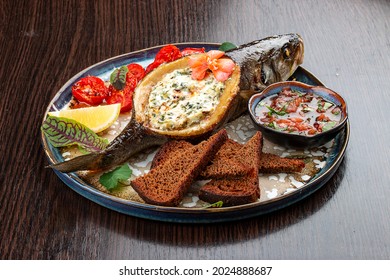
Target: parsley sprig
[112, 179]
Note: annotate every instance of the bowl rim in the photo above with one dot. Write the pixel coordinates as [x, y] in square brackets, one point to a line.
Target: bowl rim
[257, 97]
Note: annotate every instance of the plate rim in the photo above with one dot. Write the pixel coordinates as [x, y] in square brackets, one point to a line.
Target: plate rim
[97, 196]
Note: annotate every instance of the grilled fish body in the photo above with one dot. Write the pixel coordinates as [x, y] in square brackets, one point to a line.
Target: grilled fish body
[260, 63]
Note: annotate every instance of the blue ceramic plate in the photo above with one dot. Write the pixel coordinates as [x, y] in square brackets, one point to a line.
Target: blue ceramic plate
[185, 215]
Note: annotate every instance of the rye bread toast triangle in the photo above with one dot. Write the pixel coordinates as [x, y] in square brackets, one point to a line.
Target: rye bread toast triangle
[269, 163]
[167, 183]
[242, 190]
[223, 165]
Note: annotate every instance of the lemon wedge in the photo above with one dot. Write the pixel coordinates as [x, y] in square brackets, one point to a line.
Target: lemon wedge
[96, 118]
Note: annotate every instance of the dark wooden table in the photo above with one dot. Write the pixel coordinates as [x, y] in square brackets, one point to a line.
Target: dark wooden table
[45, 43]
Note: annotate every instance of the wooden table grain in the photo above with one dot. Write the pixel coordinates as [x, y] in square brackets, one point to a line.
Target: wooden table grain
[45, 43]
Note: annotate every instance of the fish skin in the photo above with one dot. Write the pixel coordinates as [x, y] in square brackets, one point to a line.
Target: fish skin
[265, 54]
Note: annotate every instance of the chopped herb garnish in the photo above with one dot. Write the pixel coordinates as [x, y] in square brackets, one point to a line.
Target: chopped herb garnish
[272, 125]
[307, 109]
[217, 204]
[327, 105]
[328, 125]
[279, 113]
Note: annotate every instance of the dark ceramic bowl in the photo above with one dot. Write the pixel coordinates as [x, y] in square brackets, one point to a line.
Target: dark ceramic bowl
[291, 140]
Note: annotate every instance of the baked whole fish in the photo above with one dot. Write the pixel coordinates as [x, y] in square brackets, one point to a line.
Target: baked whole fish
[257, 65]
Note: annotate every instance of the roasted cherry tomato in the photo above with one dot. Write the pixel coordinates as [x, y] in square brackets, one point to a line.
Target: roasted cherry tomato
[136, 71]
[90, 90]
[189, 51]
[166, 54]
[124, 96]
[152, 66]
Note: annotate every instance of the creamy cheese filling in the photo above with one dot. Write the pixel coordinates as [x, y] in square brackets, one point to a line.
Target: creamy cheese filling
[178, 101]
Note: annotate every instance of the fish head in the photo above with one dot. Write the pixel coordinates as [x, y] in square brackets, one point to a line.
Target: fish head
[267, 61]
[285, 54]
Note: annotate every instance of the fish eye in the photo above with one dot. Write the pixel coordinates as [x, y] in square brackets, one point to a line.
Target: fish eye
[286, 52]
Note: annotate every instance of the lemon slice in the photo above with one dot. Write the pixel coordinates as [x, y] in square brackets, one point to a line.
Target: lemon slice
[96, 118]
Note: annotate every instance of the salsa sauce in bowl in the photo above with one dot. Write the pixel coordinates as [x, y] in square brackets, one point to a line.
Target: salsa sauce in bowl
[298, 115]
[298, 112]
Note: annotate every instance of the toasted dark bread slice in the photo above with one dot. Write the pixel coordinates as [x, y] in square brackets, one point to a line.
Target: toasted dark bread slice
[169, 149]
[167, 183]
[241, 190]
[232, 191]
[221, 166]
[269, 163]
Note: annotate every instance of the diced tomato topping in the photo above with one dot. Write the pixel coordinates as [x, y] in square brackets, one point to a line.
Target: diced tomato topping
[293, 105]
[302, 126]
[296, 120]
[285, 121]
[293, 124]
[322, 118]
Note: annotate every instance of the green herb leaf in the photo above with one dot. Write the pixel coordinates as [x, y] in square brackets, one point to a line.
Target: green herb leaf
[226, 46]
[336, 111]
[280, 113]
[118, 77]
[217, 204]
[307, 109]
[110, 180]
[327, 105]
[328, 125]
[63, 132]
[272, 125]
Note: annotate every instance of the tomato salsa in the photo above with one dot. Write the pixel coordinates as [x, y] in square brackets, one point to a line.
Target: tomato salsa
[296, 112]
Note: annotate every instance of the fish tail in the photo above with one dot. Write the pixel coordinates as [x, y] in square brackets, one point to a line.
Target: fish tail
[86, 162]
